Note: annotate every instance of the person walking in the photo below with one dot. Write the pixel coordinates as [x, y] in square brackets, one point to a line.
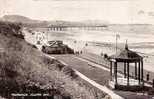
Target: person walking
[147, 76]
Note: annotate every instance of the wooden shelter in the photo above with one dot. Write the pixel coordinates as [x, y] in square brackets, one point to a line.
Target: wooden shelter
[126, 57]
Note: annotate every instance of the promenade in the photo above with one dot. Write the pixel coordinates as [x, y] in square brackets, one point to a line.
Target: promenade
[97, 73]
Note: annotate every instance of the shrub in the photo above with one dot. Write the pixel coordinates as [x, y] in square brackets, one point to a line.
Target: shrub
[9, 28]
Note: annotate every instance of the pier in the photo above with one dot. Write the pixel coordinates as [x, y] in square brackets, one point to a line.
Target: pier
[65, 28]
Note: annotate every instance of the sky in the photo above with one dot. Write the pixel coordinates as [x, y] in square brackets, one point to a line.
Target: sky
[113, 11]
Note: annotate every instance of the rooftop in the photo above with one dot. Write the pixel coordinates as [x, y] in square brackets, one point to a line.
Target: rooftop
[126, 55]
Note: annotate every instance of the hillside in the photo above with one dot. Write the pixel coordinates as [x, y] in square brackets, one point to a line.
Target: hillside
[40, 23]
[24, 20]
[18, 18]
[25, 69]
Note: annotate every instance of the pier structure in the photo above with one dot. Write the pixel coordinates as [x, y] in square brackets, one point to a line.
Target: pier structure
[65, 28]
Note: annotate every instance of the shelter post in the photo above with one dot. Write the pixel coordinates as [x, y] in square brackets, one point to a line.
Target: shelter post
[127, 73]
[139, 72]
[111, 69]
[135, 70]
[115, 72]
[125, 69]
[142, 70]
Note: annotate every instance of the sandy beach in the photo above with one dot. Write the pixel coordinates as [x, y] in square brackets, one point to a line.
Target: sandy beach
[145, 49]
[103, 42]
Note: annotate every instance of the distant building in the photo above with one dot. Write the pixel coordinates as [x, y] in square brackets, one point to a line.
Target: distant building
[56, 47]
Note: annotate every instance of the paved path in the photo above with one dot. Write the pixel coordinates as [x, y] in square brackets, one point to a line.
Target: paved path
[105, 68]
[102, 88]
[87, 66]
[99, 60]
[92, 82]
[95, 74]
[96, 65]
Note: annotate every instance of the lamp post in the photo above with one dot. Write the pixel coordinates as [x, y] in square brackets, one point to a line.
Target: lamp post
[117, 37]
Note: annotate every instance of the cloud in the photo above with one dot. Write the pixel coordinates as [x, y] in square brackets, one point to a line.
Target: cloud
[141, 12]
[151, 13]
[114, 11]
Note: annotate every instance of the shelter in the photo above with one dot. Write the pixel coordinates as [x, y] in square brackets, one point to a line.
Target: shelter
[125, 57]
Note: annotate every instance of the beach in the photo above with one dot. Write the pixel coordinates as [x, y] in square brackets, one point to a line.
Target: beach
[107, 45]
[104, 42]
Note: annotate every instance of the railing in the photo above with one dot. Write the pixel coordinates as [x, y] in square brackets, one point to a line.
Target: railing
[123, 81]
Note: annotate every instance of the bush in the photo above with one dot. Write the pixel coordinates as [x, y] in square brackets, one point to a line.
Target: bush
[13, 29]
[69, 71]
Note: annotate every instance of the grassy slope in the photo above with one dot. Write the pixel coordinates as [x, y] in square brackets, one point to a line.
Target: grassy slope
[22, 66]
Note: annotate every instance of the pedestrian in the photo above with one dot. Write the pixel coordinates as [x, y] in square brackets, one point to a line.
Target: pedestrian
[102, 54]
[153, 83]
[86, 44]
[80, 52]
[147, 76]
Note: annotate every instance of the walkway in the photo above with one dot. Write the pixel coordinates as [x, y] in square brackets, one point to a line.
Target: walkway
[89, 70]
[96, 75]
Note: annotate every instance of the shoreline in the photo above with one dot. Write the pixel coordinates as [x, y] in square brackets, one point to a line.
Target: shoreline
[105, 47]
